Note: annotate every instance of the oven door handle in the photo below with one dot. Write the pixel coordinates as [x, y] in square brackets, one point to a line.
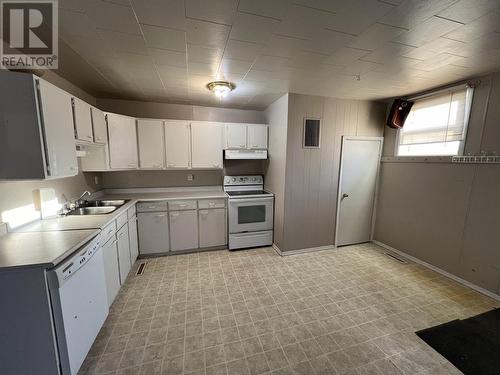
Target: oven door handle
[249, 200]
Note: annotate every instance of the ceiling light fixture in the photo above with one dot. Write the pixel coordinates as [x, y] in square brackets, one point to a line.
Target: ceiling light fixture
[221, 88]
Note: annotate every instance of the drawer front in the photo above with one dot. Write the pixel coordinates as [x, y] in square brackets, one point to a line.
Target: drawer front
[152, 206]
[108, 232]
[182, 205]
[131, 212]
[121, 220]
[212, 203]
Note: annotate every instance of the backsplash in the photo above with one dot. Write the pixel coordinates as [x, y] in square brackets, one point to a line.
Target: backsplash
[157, 179]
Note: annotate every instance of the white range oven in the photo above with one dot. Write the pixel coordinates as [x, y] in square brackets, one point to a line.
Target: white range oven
[251, 212]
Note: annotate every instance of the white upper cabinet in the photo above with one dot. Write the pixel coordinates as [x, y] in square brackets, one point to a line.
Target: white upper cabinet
[59, 133]
[206, 143]
[151, 144]
[122, 142]
[236, 136]
[83, 120]
[257, 137]
[177, 144]
[99, 126]
[37, 139]
[246, 136]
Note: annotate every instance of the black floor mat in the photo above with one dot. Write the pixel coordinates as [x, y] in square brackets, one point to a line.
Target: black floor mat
[472, 345]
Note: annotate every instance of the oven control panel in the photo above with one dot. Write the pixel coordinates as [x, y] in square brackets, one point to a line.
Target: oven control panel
[243, 180]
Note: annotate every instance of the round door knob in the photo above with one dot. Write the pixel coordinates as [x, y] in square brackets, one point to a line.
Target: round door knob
[345, 195]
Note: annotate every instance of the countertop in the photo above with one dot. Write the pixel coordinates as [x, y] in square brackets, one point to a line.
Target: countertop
[100, 221]
[45, 243]
[41, 249]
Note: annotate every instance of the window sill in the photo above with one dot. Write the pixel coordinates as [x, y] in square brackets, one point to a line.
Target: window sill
[417, 159]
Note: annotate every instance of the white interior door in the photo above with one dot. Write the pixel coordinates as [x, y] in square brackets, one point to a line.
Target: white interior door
[358, 179]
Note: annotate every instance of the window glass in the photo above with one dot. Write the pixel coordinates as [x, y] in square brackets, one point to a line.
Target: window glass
[436, 125]
[251, 214]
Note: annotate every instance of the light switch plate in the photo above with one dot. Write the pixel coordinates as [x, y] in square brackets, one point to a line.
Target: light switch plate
[190, 177]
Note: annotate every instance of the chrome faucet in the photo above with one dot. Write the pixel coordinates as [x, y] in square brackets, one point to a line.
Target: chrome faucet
[86, 192]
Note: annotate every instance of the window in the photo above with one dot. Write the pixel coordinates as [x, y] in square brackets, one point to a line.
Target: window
[436, 125]
[311, 133]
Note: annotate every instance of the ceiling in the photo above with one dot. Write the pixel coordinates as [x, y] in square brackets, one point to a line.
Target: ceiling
[168, 50]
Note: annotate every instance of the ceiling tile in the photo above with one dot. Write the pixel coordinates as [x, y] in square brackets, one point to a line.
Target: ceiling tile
[274, 9]
[206, 33]
[375, 36]
[219, 11]
[412, 12]
[389, 51]
[250, 28]
[124, 42]
[345, 56]
[111, 16]
[327, 41]
[237, 49]
[166, 57]
[437, 61]
[466, 11]
[477, 28]
[271, 63]
[427, 31]
[166, 13]
[76, 24]
[199, 53]
[161, 37]
[202, 69]
[234, 66]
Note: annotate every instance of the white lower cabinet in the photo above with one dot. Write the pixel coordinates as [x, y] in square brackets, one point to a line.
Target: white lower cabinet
[111, 268]
[184, 230]
[212, 227]
[133, 239]
[153, 232]
[123, 253]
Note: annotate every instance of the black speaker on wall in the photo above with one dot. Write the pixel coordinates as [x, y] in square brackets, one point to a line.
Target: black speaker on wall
[399, 112]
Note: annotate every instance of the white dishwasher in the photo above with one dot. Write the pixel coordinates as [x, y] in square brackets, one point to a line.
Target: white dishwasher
[79, 304]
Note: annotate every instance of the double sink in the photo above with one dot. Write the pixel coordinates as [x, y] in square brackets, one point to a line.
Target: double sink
[97, 207]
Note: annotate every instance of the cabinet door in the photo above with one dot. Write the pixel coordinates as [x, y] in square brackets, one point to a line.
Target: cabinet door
[257, 136]
[133, 239]
[111, 269]
[177, 144]
[96, 158]
[153, 232]
[123, 253]
[59, 132]
[83, 121]
[184, 230]
[206, 143]
[236, 136]
[99, 126]
[212, 227]
[122, 142]
[151, 144]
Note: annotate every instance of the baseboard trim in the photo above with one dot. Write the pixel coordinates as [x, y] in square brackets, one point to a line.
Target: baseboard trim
[302, 251]
[439, 270]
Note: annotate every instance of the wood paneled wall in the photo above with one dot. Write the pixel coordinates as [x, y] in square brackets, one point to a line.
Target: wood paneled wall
[312, 174]
[447, 214]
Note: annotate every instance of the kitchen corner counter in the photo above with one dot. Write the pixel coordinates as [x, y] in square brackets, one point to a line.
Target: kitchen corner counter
[41, 249]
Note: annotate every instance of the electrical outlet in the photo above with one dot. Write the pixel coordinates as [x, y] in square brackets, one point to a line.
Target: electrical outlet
[190, 177]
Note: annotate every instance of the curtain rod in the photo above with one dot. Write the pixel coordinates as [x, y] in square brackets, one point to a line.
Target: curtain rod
[443, 90]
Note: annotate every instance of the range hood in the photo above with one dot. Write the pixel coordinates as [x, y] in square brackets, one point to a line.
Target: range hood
[245, 154]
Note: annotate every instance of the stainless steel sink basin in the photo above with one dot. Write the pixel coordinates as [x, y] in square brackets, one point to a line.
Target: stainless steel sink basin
[105, 203]
[102, 210]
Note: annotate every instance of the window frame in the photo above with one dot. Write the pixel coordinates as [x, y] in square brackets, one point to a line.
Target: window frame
[304, 132]
[468, 109]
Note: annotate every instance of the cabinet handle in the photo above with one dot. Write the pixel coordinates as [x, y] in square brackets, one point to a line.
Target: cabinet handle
[163, 215]
[174, 214]
[182, 205]
[171, 165]
[242, 146]
[255, 146]
[204, 213]
[211, 204]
